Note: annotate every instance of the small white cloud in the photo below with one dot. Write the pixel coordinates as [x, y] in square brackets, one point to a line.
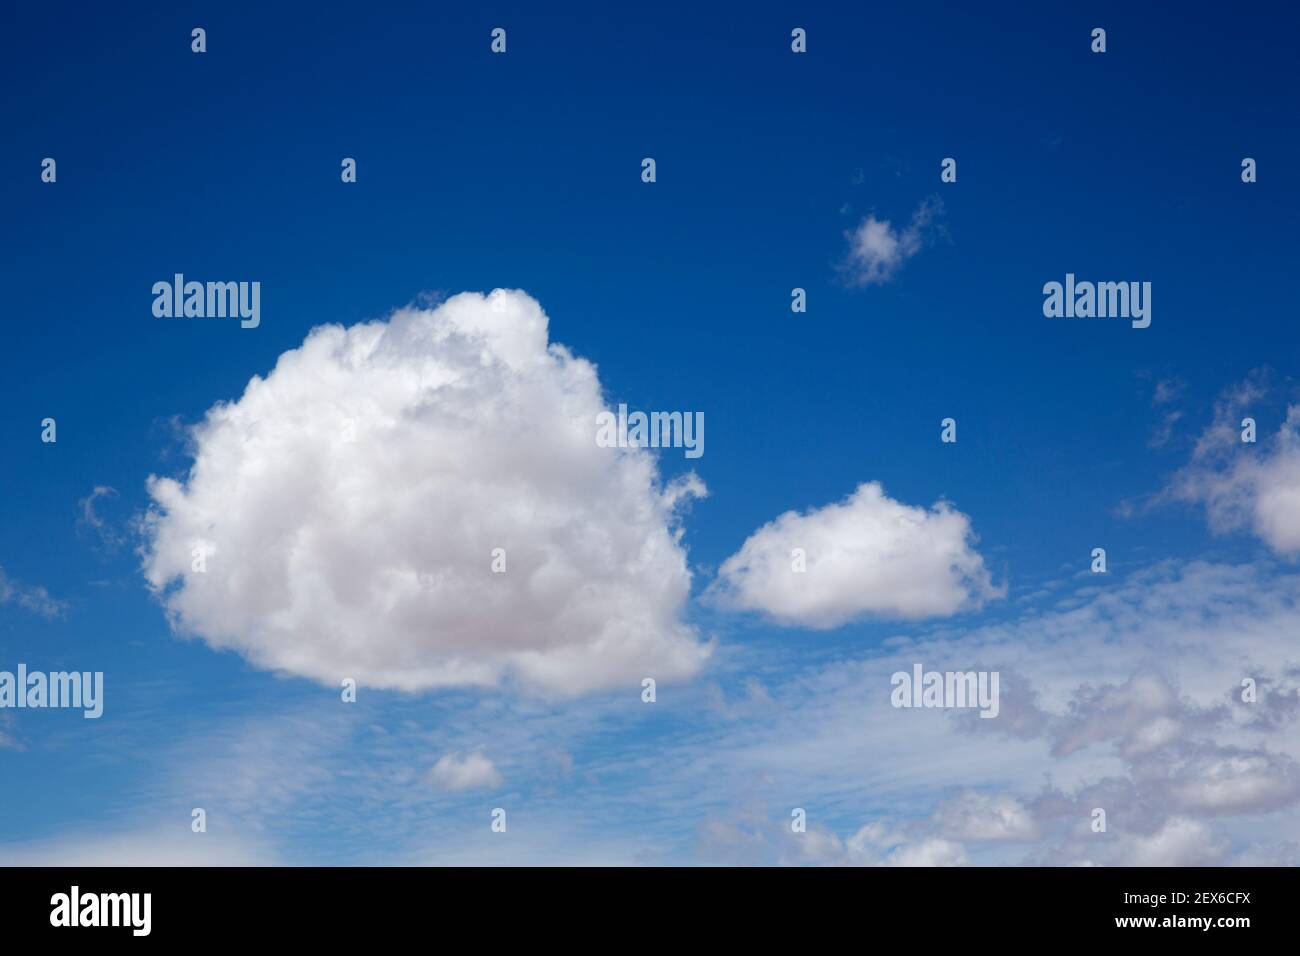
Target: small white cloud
[868, 554]
[877, 250]
[471, 771]
[1246, 486]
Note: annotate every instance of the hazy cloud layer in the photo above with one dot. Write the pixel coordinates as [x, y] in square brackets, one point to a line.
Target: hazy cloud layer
[1124, 695]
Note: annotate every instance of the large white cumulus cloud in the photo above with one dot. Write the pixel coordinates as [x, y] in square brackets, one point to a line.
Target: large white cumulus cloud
[348, 505]
[868, 554]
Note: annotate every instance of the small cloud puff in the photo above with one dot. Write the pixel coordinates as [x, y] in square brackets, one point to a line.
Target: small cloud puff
[866, 555]
[877, 250]
[471, 771]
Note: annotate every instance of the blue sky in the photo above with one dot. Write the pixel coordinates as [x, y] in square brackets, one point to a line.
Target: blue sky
[522, 171]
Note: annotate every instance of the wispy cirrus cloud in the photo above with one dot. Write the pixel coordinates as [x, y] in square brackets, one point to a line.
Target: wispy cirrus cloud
[1125, 696]
[91, 521]
[32, 598]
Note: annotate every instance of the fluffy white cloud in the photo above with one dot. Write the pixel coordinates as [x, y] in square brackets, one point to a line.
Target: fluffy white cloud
[877, 250]
[868, 554]
[471, 771]
[348, 505]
